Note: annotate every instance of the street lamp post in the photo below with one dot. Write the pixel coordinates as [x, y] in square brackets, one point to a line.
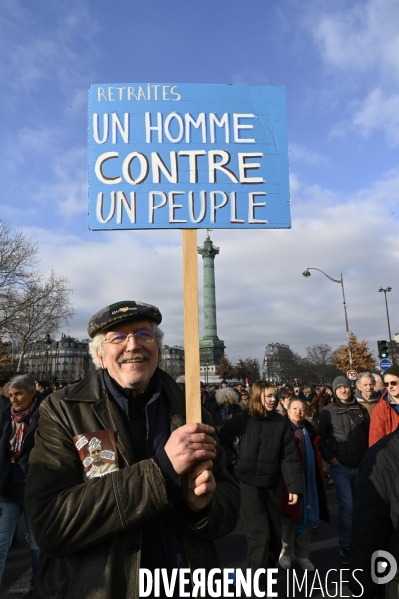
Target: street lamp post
[341, 282]
[34, 353]
[387, 290]
[56, 365]
[47, 341]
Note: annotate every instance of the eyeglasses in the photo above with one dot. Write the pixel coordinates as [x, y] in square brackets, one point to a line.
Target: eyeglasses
[142, 336]
[391, 383]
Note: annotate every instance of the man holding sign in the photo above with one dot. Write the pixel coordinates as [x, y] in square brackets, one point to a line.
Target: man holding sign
[96, 535]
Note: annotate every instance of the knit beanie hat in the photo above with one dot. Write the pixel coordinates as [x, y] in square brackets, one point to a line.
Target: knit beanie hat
[340, 381]
[394, 369]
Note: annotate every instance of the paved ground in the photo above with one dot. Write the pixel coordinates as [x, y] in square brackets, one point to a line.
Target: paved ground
[325, 556]
[232, 551]
[17, 574]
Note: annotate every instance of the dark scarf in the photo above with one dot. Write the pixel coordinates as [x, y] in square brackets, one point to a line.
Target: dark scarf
[20, 420]
[147, 416]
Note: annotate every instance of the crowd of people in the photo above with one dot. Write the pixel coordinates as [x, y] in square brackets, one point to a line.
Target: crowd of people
[110, 478]
[347, 436]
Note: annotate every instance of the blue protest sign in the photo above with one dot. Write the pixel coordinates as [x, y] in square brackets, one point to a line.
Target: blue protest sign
[187, 156]
[385, 364]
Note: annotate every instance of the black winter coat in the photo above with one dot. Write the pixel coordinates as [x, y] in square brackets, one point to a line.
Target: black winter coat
[375, 524]
[13, 476]
[267, 449]
[345, 432]
[215, 410]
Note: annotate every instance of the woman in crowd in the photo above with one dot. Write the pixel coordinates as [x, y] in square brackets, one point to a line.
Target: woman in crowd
[314, 404]
[227, 399]
[16, 441]
[266, 448]
[328, 394]
[299, 518]
[222, 406]
[244, 399]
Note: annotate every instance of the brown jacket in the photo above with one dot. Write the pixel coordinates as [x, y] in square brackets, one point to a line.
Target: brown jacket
[369, 404]
[90, 533]
[315, 405]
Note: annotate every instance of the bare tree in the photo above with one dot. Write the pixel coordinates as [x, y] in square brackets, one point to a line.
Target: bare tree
[241, 370]
[254, 369]
[45, 306]
[18, 260]
[320, 359]
[6, 363]
[280, 367]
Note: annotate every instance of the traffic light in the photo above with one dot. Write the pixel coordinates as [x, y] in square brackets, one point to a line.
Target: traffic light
[382, 349]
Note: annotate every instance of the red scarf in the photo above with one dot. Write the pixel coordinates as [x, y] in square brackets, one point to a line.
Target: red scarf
[21, 426]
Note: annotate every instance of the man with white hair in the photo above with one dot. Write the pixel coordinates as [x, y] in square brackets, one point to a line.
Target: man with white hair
[96, 535]
[365, 391]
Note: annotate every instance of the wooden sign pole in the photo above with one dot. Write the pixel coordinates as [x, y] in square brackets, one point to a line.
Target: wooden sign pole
[191, 337]
[191, 327]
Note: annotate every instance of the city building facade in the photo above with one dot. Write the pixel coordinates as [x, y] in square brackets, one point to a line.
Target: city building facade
[69, 360]
[277, 362]
[172, 360]
[58, 362]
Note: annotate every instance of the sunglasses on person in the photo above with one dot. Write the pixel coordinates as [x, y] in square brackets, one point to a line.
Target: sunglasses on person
[391, 383]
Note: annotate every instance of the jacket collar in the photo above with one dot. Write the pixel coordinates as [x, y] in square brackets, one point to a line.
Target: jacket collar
[123, 396]
[271, 414]
[340, 406]
[92, 389]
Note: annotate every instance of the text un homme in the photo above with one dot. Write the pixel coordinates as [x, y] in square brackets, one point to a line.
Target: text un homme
[152, 167]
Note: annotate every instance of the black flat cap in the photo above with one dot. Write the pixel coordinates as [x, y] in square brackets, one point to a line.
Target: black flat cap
[121, 311]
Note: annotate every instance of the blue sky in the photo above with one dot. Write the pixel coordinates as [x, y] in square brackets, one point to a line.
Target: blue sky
[340, 65]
